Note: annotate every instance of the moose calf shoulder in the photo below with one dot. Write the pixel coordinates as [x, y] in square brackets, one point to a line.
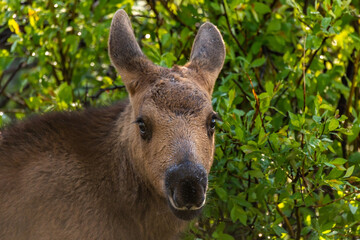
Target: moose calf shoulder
[135, 170]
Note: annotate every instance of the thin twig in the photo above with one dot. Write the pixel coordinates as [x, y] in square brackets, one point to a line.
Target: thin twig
[140, 15]
[297, 210]
[66, 71]
[13, 98]
[302, 141]
[2, 89]
[280, 95]
[16, 110]
[331, 202]
[353, 85]
[258, 109]
[310, 61]
[101, 90]
[14, 69]
[241, 89]
[298, 223]
[300, 20]
[231, 32]
[304, 85]
[286, 220]
[57, 79]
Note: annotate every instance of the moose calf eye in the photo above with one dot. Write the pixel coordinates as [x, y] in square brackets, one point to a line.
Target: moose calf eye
[212, 123]
[142, 128]
[145, 129]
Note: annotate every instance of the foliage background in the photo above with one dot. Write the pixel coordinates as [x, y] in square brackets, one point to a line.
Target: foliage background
[287, 160]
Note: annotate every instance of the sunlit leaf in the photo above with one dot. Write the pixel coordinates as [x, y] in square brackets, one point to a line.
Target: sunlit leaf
[349, 171]
[334, 124]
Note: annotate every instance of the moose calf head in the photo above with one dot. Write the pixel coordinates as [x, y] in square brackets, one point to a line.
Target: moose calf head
[172, 123]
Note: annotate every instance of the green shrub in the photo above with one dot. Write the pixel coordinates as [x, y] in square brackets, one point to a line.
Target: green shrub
[287, 156]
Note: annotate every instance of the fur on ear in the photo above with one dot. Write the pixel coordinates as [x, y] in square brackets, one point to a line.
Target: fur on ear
[126, 55]
[207, 55]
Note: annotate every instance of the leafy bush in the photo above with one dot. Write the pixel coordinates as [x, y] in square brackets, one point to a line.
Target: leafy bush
[287, 160]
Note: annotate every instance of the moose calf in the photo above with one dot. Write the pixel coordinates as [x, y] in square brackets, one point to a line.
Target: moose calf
[135, 170]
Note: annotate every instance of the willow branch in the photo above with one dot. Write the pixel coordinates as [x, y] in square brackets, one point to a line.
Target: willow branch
[287, 222]
[310, 61]
[101, 90]
[2, 89]
[230, 30]
[353, 85]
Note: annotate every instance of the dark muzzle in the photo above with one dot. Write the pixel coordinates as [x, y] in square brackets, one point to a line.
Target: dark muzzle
[186, 185]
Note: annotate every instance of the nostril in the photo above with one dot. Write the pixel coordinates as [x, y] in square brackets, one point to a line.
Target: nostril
[189, 206]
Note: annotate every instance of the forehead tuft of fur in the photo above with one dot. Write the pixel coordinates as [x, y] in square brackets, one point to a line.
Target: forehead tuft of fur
[178, 95]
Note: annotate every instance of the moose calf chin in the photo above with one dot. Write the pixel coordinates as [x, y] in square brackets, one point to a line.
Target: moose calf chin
[135, 170]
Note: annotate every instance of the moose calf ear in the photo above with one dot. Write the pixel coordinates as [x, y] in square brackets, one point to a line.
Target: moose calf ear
[207, 55]
[125, 53]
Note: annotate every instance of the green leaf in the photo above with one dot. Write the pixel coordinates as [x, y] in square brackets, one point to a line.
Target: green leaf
[327, 107]
[269, 86]
[244, 203]
[167, 59]
[325, 22]
[334, 174]
[274, 26]
[334, 124]
[33, 102]
[280, 177]
[278, 230]
[248, 149]
[237, 213]
[353, 209]
[221, 193]
[215, 6]
[64, 93]
[264, 102]
[309, 201]
[224, 236]
[338, 161]
[256, 173]
[261, 8]
[317, 119]
[306, 230]
[219, 233]
[255, 47]
[239, 134]
[185, 32]
[294, 120]
[231, 96]
[262, 137]
[165, 39]
[349, 171]
[258, 62]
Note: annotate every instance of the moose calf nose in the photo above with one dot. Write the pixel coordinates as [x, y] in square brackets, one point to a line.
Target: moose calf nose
[186, 186]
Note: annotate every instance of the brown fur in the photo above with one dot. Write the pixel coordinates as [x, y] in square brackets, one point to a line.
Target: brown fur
[89, 175]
